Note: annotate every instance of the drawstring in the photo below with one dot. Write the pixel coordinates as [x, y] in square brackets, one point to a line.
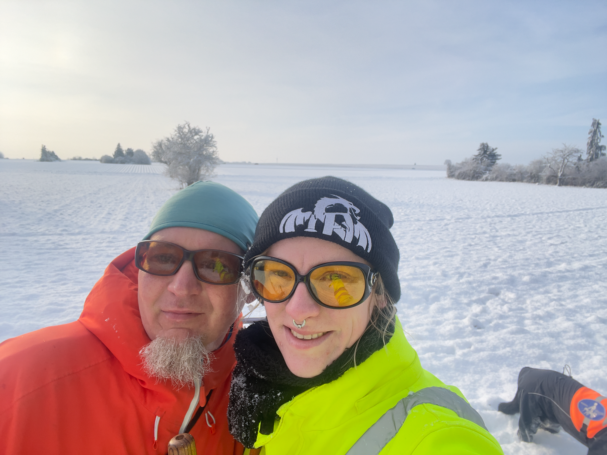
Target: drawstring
[185, 425]
[211, 425]
[198, 413]
[193, 404]
[156, 430]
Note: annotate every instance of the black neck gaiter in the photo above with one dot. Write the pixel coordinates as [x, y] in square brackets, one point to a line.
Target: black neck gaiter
[262, 382]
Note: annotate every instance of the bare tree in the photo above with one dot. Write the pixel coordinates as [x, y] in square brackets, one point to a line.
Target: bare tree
[190, 154]
[560, 160]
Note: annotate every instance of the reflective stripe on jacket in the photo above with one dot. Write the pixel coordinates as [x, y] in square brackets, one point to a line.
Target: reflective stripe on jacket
[333, 417]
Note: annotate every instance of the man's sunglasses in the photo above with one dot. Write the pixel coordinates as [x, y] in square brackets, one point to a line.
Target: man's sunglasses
[210, 266]
[333, 284]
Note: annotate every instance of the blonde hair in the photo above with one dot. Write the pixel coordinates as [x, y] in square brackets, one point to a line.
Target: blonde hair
[383, 310]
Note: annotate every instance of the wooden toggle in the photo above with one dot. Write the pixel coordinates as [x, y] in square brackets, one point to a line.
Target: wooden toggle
[182, 444]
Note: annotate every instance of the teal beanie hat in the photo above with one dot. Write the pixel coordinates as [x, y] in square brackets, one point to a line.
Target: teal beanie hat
[212, 207]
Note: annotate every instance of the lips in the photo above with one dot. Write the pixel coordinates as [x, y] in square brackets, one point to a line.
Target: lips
[179, 315]
[311, 336]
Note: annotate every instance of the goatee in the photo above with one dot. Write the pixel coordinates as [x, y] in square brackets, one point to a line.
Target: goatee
[180, 361]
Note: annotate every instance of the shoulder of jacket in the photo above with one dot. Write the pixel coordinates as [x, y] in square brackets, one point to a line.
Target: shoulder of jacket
[40, 358]
[433, 429]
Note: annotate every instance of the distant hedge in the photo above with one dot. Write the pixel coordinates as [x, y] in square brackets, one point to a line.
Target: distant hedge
[137, 157]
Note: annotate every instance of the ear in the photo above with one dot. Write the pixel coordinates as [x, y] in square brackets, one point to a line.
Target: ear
[380, 300]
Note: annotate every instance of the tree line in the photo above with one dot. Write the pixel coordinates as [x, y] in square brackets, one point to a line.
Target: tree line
[190, 154]
[128, 156]
[566, 165]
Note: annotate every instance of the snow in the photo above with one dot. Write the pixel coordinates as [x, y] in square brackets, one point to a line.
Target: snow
[495, 276]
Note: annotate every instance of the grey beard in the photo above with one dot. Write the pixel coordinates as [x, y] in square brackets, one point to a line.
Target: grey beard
[181, 362]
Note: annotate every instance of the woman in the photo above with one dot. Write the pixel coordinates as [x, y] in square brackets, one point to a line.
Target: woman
[331, 372]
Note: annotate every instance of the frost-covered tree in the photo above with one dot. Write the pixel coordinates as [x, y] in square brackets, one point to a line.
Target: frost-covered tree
[486, 156]
[118, 153]
[190, 153]
[48, 155]
[1, 156]
[450, 168]
[129, 153]
[140, 157]
[535, 171]
[559, 161]
[593, 148]
[468, 170]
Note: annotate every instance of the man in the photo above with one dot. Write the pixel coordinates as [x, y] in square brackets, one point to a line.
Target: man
[151, 355]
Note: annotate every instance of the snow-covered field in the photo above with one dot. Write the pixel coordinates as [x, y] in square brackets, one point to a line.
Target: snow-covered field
[495, 276]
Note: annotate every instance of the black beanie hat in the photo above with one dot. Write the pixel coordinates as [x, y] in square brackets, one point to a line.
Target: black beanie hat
[336, 210]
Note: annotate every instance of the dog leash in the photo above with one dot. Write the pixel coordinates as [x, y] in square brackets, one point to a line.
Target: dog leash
[557, 405]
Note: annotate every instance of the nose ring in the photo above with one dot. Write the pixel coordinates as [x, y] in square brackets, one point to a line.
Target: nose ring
[299, 326]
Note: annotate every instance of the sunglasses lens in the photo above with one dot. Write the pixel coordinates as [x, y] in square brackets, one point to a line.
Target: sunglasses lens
[217, 266]
[272, 280]
[338, 285]
[158, 258]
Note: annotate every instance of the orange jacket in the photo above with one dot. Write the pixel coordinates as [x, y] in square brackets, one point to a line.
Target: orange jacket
[80, 387]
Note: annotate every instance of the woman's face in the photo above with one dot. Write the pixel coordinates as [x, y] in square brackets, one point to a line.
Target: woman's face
[331, 331]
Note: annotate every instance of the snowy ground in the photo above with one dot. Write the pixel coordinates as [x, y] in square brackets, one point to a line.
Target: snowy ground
[495, 276]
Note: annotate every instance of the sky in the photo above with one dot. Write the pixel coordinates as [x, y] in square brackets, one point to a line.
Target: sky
[313, 81]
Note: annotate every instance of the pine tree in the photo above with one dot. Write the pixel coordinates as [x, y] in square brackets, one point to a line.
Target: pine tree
[593, 148]
[118, 153]
[48, 155]
[486, 156]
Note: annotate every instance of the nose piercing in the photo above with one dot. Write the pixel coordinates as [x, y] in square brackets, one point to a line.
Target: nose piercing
[299, 326]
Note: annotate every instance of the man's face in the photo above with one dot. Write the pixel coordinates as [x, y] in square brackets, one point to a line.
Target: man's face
[180, 306]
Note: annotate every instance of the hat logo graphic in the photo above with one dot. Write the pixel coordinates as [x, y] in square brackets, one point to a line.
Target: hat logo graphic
[336, 214]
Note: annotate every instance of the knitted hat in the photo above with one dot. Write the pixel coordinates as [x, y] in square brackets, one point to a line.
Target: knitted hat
[212, 207]
[336, 210]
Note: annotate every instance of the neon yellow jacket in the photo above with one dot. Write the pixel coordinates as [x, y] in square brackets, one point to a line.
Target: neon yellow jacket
[331, 418]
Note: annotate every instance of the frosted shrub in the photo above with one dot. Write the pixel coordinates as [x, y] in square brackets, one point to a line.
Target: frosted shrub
[535, 171]
[592, 174]
[500, 173]
[468, 170]
[136, 157]
[140, 157]
[190, 154]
